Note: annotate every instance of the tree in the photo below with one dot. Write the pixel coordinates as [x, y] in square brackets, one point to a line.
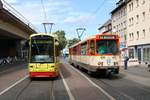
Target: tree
[73, 41]
[61, 38]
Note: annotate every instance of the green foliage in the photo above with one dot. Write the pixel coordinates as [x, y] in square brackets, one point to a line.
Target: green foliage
[61, 38]
[73, 41]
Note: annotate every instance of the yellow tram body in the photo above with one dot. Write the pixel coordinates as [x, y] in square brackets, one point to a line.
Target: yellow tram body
[43, 56]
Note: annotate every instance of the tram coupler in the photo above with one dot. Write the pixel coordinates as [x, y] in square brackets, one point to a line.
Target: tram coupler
[109, 71]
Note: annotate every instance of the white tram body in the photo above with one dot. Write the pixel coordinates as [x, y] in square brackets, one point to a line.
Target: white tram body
[97, 62]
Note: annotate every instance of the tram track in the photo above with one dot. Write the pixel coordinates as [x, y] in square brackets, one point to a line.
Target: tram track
[119, 95]
[127, 91]
[49, 86]
[22, 90]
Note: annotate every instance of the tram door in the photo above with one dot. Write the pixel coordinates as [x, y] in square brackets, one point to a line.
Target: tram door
[139, 54]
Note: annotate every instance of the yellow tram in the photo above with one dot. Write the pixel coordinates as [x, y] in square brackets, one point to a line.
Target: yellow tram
[43, 56]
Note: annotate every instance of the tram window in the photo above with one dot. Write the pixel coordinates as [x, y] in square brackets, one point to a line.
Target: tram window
[106, 47]
[83, 48]
[92, 47]
[42, 52]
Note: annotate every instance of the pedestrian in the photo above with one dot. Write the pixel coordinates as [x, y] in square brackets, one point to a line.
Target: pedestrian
[126, 62]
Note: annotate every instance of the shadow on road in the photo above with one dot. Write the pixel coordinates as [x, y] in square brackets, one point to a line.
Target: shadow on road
[45, 78]
[104, 76]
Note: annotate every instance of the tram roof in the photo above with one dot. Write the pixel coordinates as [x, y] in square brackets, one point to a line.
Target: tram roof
[89, 38]
[36, 34]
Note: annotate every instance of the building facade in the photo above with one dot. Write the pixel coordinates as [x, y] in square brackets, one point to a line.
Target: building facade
[106, 27]
[119, 24]
[138, 29]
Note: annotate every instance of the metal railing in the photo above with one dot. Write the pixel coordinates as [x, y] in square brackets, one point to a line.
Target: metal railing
[17, 14]
[8, 60]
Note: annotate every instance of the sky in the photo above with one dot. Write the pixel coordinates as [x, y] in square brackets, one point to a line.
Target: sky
[67, 15]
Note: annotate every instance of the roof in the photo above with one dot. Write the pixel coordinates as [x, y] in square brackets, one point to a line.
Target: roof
[120, 4]
[105, 24]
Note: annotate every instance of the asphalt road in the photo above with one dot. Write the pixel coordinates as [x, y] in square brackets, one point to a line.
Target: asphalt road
[16, 85]
[119, 87]
[73, 84]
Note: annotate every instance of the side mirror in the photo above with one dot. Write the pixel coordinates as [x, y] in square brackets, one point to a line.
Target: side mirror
[56, 43]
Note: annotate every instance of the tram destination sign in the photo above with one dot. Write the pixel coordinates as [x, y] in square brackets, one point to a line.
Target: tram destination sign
[107, 37]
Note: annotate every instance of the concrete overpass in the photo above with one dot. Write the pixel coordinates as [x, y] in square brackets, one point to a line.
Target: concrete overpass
[12, 32]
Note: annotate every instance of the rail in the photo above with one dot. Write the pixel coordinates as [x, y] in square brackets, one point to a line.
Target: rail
[9, 60]
[17, 14]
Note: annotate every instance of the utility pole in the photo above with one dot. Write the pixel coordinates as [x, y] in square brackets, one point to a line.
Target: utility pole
[80, 32]
[46, 24]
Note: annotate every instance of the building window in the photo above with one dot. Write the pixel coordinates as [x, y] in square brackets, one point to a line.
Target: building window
[132, 36]
[129, 21]
[143, 1]
[132, 6]
[132, 21]
[131, 53]
[137, 35]
[125, 37]
[124, 11]
[143, 33]
[124, 24]
[146, 54]
[121, 25]
[129, 7]
[143, 16]
[137, 3]
[137, 19]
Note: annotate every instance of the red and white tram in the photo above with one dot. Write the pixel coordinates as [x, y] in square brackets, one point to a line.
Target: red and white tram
[99, 53]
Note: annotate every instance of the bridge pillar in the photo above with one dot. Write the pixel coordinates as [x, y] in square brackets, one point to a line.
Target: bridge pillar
[1, 4]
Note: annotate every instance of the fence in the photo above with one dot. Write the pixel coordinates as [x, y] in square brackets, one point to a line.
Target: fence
[9, 60]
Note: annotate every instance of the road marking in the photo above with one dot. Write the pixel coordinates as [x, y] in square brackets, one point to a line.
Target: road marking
[108, 95]
[53, 97]
[14, 85]
[67, 88]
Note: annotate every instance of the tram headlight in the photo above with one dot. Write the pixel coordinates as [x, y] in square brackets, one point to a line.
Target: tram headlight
[100, 63]
[31, 66]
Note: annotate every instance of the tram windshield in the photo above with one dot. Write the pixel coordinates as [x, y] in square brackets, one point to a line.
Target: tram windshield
[106, 47]
[42, 51]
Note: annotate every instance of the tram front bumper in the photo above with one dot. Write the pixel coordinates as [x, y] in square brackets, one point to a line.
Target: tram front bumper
[43, 74]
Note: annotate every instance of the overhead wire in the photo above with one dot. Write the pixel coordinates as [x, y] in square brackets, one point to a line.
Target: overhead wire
[44, 10]
[95, 11]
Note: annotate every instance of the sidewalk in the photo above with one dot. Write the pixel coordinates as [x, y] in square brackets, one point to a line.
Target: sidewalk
[9, 66]
[139, 74]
